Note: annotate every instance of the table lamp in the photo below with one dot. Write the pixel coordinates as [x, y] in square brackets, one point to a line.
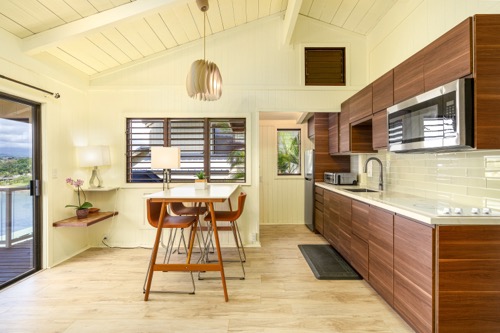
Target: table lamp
[165, 158]
[94, 156]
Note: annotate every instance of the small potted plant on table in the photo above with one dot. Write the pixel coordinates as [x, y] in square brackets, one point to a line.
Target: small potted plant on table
[201, 182]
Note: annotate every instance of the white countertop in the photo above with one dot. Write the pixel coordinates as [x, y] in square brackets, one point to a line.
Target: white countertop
[418, 208]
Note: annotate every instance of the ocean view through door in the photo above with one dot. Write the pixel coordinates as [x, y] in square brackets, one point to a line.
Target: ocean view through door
[20, 228]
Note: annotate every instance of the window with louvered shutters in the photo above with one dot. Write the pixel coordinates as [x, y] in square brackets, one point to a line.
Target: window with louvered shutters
[324, 66]
[214, 145]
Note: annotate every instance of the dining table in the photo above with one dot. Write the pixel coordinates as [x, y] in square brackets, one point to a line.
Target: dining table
[211, 194]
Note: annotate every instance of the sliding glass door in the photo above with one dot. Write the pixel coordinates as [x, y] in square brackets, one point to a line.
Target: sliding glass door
[20, 227]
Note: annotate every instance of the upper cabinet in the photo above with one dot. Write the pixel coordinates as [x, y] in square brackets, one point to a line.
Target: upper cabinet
[333, 133]
[361, 104]
[383, 92]
[345, 128]
[449, 57]
[409, 78]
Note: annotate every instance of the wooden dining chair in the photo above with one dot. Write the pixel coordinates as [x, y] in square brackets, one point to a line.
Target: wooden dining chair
[173, 223]
[232, 217]
[178, 208]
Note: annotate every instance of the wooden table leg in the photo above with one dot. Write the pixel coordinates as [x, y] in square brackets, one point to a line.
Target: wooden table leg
[159, 229]
[217, 246]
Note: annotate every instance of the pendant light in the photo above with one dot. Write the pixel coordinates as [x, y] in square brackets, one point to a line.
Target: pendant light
[204, 81]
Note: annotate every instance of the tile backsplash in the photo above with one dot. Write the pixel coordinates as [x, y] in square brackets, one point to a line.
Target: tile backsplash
[468, 178]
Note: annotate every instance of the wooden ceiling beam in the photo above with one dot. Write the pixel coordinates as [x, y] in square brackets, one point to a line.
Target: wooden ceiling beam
[133, 10]
[291, 15]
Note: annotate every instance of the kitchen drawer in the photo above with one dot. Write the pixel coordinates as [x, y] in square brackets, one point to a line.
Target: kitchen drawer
[318, 205]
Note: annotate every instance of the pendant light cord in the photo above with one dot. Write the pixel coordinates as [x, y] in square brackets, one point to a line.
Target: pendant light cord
[204, 33]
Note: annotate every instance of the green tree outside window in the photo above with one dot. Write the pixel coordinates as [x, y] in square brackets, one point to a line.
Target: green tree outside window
[288, 152]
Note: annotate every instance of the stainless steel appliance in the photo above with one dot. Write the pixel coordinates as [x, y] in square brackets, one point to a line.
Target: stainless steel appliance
[309, 189]
[439, 119]
[341, 178]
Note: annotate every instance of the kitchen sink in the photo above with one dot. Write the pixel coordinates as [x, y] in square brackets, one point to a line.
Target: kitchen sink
[360, 190]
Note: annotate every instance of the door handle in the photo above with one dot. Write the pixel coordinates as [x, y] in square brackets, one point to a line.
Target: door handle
[35, 187]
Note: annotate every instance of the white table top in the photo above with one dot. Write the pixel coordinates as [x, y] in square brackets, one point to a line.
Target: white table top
[188, 192]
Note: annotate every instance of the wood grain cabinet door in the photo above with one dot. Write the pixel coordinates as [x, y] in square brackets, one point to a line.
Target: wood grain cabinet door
[383, 92]
[409, 77]
[360, 235]
[414, 273]
[318, 209]
[345, 128]
[361, 104]
[344, 226]
[379, 130]
[333, 133]
[381, 254]
[331, 218]
[449, 57]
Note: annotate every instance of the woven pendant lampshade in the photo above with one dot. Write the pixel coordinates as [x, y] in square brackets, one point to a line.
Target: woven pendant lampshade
[204, 81]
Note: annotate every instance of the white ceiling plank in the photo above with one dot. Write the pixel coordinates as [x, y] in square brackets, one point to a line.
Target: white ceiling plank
[13, 27]
[102, 5]
[252, 10]
[227, 14]
[275, 7]
[174, 26]
[31, 14]
[133, 10]
[291, 15]
[63, 10]
[72, 61]
[376, 12]
[157, 24]
[240, 12]
[139, 34]
[83, 8]
[305, 7]
[329, 11]
[123, 43]
[184, 17]
[198, 17]
[317, 8]
[214, 18]
[358, 14]
[109, 47]
[90, 54]
[264, 8]
[343, 13]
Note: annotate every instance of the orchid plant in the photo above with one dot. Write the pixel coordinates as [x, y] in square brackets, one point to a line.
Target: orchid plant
[78, 185]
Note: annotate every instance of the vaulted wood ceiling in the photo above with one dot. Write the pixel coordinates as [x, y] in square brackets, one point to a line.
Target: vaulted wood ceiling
[95, 36]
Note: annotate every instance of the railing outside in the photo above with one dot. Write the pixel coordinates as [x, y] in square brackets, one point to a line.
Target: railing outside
[16, 215]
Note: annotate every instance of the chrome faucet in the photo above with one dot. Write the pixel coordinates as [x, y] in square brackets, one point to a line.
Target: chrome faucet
[381, 177]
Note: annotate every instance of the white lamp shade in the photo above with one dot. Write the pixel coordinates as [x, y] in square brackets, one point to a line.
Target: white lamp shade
[165, 157]
[91, 156]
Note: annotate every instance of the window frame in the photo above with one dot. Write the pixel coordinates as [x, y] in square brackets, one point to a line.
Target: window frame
[167, 141]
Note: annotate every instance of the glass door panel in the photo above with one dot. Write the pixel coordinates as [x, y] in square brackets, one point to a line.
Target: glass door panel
[19, 225]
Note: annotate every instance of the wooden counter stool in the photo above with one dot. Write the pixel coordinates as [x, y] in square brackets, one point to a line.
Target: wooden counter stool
[231, 217]
[154, 210]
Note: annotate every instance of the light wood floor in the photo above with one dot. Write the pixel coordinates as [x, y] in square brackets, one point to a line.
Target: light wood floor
[101, 291]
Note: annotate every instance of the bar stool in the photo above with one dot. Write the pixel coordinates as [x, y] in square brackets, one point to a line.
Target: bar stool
[169, 222]
[178, 208]
[231, 217]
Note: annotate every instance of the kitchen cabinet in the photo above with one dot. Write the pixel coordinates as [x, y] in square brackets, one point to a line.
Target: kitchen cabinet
[344, 238]
[468, 290]
[381, 254]
[414, 273]
[331, 218]
[318, 209]
[360, 213]
[333, 133]
[361, 104]
[323, 161]
[345, 129]
[449, 57]
[409, 77]
[379, 130]
[383, 92]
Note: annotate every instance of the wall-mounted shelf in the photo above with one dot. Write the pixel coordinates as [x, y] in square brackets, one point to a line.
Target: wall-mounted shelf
[93, 218]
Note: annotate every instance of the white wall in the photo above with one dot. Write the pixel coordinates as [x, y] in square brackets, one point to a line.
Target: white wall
[259, 73]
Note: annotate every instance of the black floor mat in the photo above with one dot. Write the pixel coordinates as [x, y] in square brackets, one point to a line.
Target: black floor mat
[327, 264]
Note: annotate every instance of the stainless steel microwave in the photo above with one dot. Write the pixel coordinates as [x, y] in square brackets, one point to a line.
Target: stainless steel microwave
[438, 120]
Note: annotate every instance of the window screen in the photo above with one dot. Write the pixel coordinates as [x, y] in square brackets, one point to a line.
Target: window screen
[324, 66]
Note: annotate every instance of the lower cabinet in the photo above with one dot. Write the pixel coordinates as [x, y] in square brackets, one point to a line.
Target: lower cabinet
[381, 254]
[318, 209]
[331, 218]
[359, 237]
[413, 273]
[438, 278]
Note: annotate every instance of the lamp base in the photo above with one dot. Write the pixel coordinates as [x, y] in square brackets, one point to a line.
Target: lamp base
[95, 175]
